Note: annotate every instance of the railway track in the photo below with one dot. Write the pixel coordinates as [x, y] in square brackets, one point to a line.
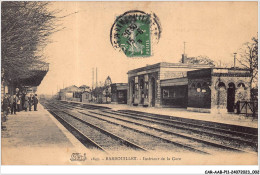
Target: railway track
[241, 130]
[245, 140]
[166, 130]
[149, 140]
[184, 139]
[224, 134]
[92, 136]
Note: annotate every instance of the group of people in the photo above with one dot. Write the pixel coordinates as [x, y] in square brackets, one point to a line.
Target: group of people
[18, 102]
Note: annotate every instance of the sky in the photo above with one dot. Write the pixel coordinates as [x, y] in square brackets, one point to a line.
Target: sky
[213, 29]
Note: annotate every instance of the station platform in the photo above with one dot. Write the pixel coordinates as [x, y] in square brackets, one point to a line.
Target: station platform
[37, 138]
[228, 118]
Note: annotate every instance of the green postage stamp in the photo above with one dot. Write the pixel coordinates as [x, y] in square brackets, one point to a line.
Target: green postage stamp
[134, 33]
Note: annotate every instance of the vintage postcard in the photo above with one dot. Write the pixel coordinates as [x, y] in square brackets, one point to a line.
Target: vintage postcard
[129, 83]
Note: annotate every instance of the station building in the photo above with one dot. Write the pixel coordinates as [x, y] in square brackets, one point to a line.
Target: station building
[119, 93]
[217, 89]
[71, 93]
[196, 87]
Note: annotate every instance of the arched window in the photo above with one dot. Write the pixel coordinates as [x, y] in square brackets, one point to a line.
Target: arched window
[241, 85]
[221, 86]
[192, 85]
[205, 87]
[198, 87]
[231, 85]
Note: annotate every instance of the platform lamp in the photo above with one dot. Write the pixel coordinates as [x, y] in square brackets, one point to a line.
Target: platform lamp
[235, 59]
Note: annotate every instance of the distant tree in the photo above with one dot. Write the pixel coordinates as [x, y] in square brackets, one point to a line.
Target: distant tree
[200, 60]
[248, 58]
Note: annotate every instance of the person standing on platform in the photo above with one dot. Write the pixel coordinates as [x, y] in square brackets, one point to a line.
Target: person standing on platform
[21, 107]
[9, 104]
[13, 104]
[35, 102]
[11, 100]
[26, 102]
[18, 105]
[22, 100]
[5, 107]
[30, 102]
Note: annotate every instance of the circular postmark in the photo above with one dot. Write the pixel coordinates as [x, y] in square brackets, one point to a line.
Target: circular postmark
[135, 32]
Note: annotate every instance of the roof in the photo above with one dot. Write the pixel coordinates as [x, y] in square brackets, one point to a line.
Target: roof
[86, 92]
[84, 86]
[238, 72]
[119, 86]
[35, 79]
[72, 88]
[168, 65]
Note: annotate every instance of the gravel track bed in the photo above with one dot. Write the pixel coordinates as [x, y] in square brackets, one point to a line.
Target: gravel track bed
[177, 122]
[145, 141]
[181, 123]
[151, 144]
[203, 136]
[184, 141]
[102, 139]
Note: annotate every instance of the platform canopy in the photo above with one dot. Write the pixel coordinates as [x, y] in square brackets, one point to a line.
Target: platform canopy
[32, 76]
[35, 79]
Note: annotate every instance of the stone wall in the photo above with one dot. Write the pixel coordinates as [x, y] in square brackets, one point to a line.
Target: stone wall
[219, 94]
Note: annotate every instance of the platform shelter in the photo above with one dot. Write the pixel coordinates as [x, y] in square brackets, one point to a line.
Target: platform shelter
[196, 87]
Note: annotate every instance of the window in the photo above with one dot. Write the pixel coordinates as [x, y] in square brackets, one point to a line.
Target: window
[141, 84]
[146, 87]
[166, 93]
[221, 86]
[205, 87]
[120, 95]
[136, 87]
[198, 87]
[231, 85]
[241, 85]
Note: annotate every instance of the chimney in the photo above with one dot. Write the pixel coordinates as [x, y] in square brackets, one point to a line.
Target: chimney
[184, 58]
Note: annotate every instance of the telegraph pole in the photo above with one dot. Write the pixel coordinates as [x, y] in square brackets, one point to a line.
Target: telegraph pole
[96, 78]
[92, 78]
[184, 47]
[235, 59]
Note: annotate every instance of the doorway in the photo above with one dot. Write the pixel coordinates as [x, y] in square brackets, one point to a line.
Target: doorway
[141, 91]
[231, 97]
[153, 92]
[132, 89]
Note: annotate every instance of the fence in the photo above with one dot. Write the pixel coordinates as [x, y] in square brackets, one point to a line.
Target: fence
[250, 108]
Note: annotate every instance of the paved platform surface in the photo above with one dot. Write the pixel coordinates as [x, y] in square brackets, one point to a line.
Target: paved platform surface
[232, 119]
[36, 137]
